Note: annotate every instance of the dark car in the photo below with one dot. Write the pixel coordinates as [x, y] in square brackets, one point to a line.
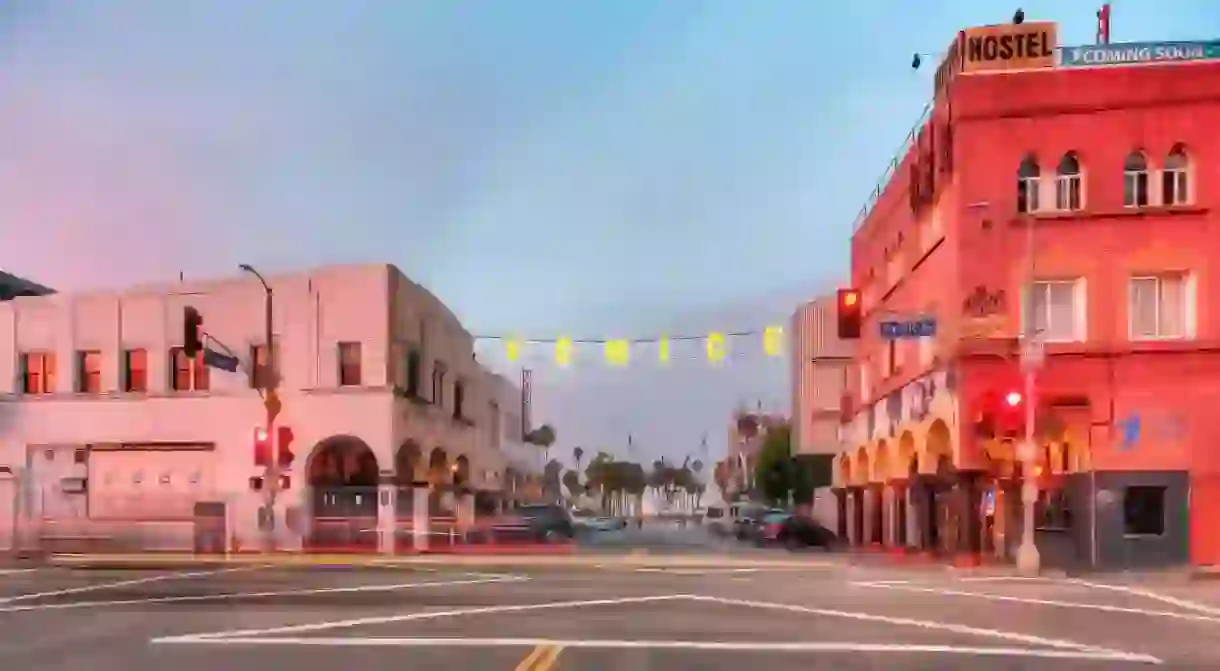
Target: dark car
[543, 522]
[746, 526]
[794, 532]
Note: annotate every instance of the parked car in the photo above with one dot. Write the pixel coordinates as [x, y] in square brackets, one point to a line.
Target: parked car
[746, 527]
[717, 521]
[587, 520]
[538, 523]
[793, 532]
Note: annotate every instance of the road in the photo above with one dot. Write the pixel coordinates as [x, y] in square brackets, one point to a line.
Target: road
[825, 614]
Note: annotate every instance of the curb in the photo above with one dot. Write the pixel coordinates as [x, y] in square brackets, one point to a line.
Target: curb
[134, 562]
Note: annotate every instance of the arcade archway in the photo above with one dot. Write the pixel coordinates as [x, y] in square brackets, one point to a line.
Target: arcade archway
[342, 475]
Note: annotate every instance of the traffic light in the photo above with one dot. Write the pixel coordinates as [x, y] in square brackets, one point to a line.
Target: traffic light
[1000, 415]
[262, 447]
[849, 314]
[192, 332]
[284, 444]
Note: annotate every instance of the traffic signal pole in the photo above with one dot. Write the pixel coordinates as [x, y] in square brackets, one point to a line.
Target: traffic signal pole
[271, 477]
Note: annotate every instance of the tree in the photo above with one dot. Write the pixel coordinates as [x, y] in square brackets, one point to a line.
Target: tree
[577, 454]
[551, 480]
[571, 480]
[774, 473]
[721, 475]
[543, 436]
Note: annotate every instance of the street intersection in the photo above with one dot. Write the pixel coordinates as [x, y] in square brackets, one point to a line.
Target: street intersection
[823, 613]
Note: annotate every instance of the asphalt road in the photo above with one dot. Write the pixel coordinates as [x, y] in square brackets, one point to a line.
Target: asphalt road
[826, 615]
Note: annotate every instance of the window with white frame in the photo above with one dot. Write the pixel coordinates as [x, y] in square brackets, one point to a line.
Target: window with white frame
[1068, 191]
[1161, 306]
[1174, 178]
[1135, 180]
[1028, 182]
[1057, 308]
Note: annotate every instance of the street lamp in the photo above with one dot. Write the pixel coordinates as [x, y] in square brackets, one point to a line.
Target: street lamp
[271, 479]
[1029, 560]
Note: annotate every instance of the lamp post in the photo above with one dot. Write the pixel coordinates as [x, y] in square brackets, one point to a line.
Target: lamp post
[1028, 559]
[271, 478]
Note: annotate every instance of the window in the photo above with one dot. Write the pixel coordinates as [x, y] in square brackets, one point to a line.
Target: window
[438, 383]
[414, 372]
[1174, 184]
[1067, 184]
[349, 364]
[459, 398]
[494, 415]
[1144, 511]
[1057, 310]
[188, 374]
[1053, 510]
[89, 372]
[262, 371]
[1160, 306]
[135, 370]
[1028, 182]
[891, 358]
[1135, 180]
[38, 372]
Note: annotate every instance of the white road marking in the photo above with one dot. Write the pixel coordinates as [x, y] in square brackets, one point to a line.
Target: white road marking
[697, 571]
[1042, 602]
[909, 622]
[231, 596]
[410, 617]
[1002, 578]
[724, 646]
[123, 583]
[16, 571]
[1148, 594]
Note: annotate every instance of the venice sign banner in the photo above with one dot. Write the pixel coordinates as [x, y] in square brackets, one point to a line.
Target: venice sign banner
[1139, 52]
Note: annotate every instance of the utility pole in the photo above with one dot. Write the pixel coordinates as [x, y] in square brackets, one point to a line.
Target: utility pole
[1028, 559]
[271, 402]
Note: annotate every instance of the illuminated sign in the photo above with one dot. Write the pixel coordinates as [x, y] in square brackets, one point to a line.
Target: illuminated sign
[1139, 52]
[1009, 47]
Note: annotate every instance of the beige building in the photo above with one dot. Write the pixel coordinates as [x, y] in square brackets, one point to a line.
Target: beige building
[106, 425]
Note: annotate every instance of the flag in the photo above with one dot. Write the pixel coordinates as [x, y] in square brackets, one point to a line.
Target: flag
[1103, 24]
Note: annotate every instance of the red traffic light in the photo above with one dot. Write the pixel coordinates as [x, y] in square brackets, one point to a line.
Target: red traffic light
[262, 447]
[849, 314]
[1013, 398]
[192, 332]
[284, 437]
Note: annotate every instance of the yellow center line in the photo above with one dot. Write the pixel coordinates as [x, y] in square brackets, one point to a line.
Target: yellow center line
[547, 661]
[527, 664]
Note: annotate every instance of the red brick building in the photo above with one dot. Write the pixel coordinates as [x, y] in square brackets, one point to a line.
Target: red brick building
[1106, 178]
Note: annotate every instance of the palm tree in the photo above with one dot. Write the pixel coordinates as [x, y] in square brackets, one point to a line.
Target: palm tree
[578, 453]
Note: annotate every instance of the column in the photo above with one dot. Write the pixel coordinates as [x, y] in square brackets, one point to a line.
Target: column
[841, 521]
[421, 528]
[898, 509]
[877, 519]
[967, 501]
[857, 517]
[387, 512]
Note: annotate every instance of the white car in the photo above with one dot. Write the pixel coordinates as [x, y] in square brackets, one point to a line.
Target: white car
[588, 521]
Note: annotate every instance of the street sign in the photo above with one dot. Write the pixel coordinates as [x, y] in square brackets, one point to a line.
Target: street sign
[215, 359]
[924, 327]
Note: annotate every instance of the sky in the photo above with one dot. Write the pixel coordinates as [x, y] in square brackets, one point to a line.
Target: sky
[619, 168]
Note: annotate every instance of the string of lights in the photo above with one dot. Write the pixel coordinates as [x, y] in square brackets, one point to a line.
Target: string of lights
[645, 340]
[620, 351]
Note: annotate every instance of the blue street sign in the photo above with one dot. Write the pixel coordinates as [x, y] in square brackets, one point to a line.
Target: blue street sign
[215, 359]
[1130, 428]
[924, 327]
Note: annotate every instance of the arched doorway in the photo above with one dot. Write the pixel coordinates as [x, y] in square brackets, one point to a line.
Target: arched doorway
[407, 461]
[342, 477]
[440, 483]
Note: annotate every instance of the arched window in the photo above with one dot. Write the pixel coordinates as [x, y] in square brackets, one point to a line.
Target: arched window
[1067, 183]
[1028, 175]
[1135, 180]
[1174, 179]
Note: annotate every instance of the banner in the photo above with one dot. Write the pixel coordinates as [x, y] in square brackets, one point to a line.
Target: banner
[1013, 46]
[715, 347]
[1139, 52]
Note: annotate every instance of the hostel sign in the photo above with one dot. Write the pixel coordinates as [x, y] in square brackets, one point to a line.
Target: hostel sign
[1010, 46]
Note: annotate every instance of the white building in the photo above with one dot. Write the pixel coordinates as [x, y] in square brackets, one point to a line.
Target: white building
[107, 430]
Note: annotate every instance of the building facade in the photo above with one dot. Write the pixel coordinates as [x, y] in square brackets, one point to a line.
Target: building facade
[821, 363]
[1077, 200]
[111, 431]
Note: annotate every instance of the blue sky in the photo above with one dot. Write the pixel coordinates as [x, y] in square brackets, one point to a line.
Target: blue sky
[612, 168]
